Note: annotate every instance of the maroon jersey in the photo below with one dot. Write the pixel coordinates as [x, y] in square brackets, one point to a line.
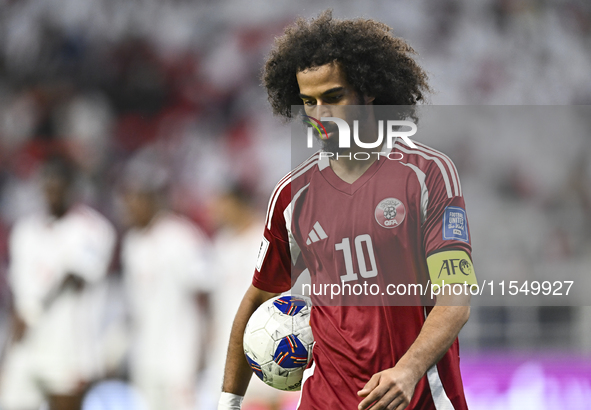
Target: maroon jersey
[377, 231]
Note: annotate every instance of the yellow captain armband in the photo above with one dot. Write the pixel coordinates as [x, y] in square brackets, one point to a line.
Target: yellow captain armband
[451, 266]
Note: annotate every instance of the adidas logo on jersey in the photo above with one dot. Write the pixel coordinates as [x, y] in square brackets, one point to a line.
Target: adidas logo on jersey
[316, 234]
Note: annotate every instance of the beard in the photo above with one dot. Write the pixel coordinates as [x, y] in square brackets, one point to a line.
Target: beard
[328, 144]
[332, 145]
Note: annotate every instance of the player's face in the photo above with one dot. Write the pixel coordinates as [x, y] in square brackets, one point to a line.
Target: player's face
[57, 193]
[141, 208]
[225, 210]
[325, 86]
[325, 92]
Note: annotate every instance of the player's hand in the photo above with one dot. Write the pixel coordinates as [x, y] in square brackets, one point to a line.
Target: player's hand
[391, 389]
[73, 281]
[19, 328]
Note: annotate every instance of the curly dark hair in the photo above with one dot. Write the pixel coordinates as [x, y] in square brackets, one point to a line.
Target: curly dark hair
[374, 62]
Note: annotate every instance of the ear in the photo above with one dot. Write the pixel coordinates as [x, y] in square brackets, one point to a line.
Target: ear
[368, 100]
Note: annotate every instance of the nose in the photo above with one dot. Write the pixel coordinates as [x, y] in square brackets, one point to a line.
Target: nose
[324, 110]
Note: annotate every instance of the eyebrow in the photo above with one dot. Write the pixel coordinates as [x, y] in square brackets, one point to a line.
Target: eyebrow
[331, 91]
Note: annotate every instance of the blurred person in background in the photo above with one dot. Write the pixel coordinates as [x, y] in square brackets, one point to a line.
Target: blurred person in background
[236, 244]
[166, 276]
[57, 261]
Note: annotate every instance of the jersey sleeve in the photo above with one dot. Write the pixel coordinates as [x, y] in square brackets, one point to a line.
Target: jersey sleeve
[23, 282]
[279, 258]
[90, 244]
[446, 235]
[445, 225]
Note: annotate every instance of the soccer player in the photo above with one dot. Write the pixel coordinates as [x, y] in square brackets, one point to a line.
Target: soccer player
[57, 261]
[164, 261]
[407, 217]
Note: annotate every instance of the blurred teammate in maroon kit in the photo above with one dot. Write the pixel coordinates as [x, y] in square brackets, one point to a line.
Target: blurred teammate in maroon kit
[408, 216]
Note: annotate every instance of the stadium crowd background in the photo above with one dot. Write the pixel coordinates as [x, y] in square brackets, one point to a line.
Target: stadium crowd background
[110, 81]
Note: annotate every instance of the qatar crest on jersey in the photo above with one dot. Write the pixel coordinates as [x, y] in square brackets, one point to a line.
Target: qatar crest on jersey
[390, 213]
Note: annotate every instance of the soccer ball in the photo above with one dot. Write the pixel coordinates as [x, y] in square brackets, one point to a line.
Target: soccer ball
[278, 341]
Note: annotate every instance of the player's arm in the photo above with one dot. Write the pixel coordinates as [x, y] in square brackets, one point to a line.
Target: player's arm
[203, 302]
[446, 242]
[90, 252]
[237, 372]
[273, 273]
[71, 281]
[19, 279]
[393, 388]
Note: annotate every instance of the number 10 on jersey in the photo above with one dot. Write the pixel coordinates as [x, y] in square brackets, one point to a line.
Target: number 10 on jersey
[360, 242]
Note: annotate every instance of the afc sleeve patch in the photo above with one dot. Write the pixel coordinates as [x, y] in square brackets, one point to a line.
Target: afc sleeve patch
[262, 253]
[451, 266]
[455, 224]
